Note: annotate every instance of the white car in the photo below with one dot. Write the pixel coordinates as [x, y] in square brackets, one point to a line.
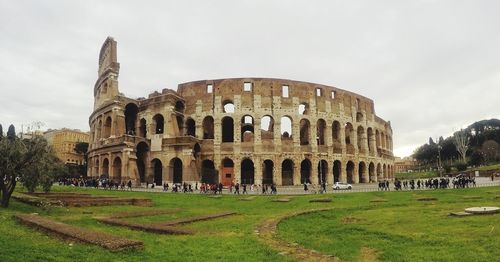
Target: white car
[340, 185]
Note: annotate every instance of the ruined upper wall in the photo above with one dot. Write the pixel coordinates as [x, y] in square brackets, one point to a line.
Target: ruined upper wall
[338, 100]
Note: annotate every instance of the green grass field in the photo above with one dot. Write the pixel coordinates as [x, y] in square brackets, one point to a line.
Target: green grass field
[401, 229]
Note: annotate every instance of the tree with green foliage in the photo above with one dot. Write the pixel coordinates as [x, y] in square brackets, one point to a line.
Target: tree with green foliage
[22, 160]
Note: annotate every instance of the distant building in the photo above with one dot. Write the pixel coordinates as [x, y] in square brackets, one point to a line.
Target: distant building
[64, 140]
[406, 164]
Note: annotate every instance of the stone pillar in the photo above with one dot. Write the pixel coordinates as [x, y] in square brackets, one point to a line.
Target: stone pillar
[296, 173]
[355, 175]
[342, 139]
[237, 170]
[354, 141]
[343, 172]
[257, 163]
[256, 132]
[277, 174]
[314, 172]
[328, 135]
[329, 174]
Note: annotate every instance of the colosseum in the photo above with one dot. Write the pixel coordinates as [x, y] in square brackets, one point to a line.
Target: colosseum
[238, 130]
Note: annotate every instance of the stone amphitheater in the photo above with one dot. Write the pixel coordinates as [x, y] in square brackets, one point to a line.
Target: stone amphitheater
[239, 130]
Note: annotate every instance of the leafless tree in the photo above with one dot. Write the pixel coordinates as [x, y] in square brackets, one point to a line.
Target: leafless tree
[461, 142]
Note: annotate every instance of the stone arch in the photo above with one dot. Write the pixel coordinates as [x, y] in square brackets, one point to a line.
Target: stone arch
[98, 129]
[286, 127]
[180, 125]
[105, 167]
[337, 169]
[208, 172]
[143, 131]
[96, 168]
[384, 168]
[303, 108]
[196, 150]
[208, 127]
[305, 171]
[179, 106]
[382, 139]
[377, 139]
[227, 171]
[360, 137]
[305, 132]
[131, 111]
[320, 131]
[228, 106]
[287, 172]
[349, 131]
[107, 127]
[157, 171]
[380, 175]
[227, 129]
[359, 117]
[117, 169]
[362, 174]
[247, 128]
[371, 172]
[267, 172]
[177, 170]
[267, 127]
[370, 139]
[159, 124]
[247, 171]
[141, 152]
[350, 172]
[322, 171]
[190, 127]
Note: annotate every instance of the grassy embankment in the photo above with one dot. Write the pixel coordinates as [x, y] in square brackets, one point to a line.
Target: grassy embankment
[397, 230]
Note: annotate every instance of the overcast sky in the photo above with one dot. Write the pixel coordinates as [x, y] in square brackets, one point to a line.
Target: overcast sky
[431, 67]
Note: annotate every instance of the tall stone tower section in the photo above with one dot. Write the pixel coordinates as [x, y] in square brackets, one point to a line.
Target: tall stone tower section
[106, 86]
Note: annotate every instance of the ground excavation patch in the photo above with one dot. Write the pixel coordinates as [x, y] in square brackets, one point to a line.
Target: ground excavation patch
[70, 232]
[83, 200]
[165, 227]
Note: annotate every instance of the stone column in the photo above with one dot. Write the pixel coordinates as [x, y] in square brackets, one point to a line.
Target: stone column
[328, 135]
[355, 175]
[257, 163]
[343, 172]
[296, 173]
[342, 139]
[277, 174]
[237, 170]
[329, 174]
[314, 172]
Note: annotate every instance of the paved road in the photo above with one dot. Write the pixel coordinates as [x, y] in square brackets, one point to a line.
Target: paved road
[299, 190]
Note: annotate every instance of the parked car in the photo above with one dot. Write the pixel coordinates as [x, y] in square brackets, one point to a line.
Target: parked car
[340, 185]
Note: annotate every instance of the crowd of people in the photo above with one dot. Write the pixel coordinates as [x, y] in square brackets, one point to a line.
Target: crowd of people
[431, 183]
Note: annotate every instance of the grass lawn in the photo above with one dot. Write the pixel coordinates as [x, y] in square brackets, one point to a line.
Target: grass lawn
[397, 230]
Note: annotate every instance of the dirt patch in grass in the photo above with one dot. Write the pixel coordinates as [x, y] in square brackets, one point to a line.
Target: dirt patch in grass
[427, 199]
[68, 232]
[250, 198]
[36, 201]
[378, 200]
[282, 200]
[144, 213]
[154, 228]
[472, 197]
[267, 234]
[83, 199]
[320, 200]
[350, 220]
[368, 255]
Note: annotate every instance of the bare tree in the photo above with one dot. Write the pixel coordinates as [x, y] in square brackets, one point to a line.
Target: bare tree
[461, 142]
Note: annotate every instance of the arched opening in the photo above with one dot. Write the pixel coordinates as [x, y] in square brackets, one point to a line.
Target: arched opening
[336, 131]
[105, 168]
[287, 172]
[361, 137]
[350, 172]
[227, 171]
[159, 123]
[98, 134]
[380, 176]
[179, 106]
[227, 130]
[141, 154]
[157, 171]
[286, 127]
[247, 129]
[337, 167]
[247, 172]
[228, 106]
[196, 150]
[369, 132]
[382, 139]
[305, 171]
[208, 127]
[362, 172]
[322, 171]
[142, 128]
[176, 165]
[267, 172]
[305, 132]
[371, 172]
[190, 127]
[117, 169]
[359, 117]
[130, 118]
[107, 127]
[377, 138]
[96, 168]
[267, 128]
[303, 108]
[208, 172]
[180, 125]
[384, 168]
[320, 131]
[348, 133]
